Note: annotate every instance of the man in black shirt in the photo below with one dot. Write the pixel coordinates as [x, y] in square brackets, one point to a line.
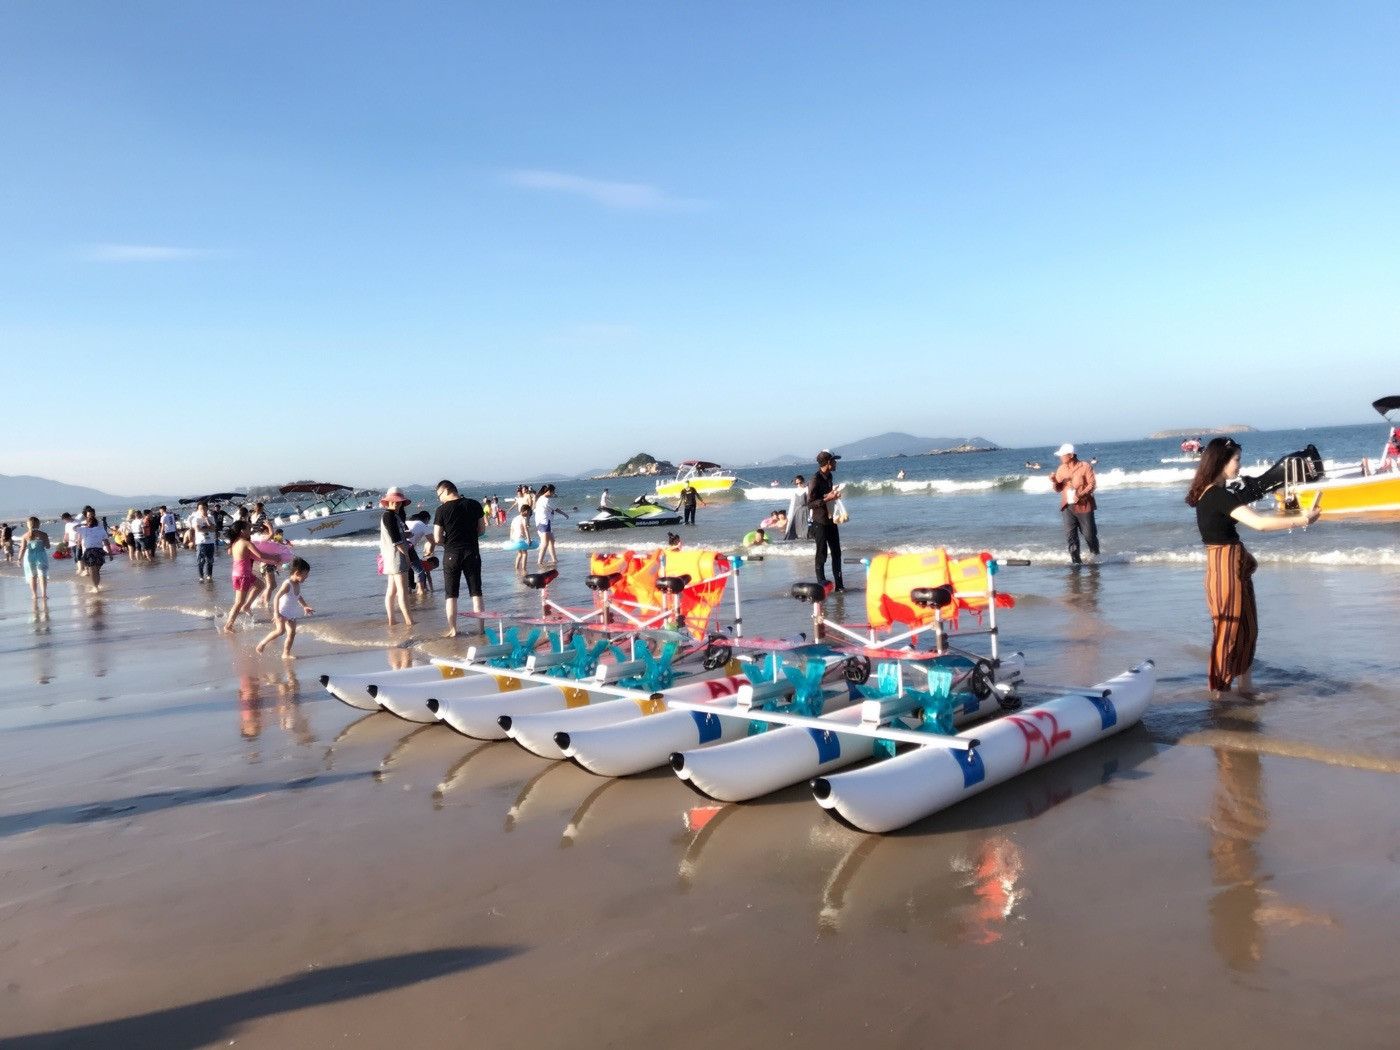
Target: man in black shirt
[688, 497]
[456, 526]
[820, 493]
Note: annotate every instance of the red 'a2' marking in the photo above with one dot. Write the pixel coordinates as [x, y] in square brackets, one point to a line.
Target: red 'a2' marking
[722, 687]
[1033, 726]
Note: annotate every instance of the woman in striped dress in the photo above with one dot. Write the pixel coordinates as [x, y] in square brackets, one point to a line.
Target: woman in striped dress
[1229, 567]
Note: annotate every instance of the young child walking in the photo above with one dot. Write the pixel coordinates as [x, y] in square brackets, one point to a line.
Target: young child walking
[520, 533]
[289, 607]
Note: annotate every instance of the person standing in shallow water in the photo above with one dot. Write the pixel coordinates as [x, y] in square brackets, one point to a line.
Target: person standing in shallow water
[1076, 483]
[689, 496]
[92, 538]
[457, 528]
[1229, 567]
[820, 493]
[34, 554]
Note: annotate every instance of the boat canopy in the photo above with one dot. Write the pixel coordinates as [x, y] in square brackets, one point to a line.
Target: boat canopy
[700, 464]
[213, 497]
[1387, 405]
[312, 488]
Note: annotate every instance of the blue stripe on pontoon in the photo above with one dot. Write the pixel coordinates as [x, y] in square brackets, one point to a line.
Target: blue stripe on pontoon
[828, 746]
[1108, 714]
[708, 725]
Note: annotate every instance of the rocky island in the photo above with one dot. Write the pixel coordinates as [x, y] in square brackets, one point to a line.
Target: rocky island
[1231, 428]
[639, 466]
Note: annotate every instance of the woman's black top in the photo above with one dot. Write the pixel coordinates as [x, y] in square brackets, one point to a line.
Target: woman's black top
[1213, 515]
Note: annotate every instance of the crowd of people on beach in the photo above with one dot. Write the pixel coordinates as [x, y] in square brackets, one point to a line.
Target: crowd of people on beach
[413, 547]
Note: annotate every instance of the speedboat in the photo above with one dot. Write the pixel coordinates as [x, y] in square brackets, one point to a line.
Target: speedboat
[704, 477]
[642, 511]
[1371, 487]
[335, 511]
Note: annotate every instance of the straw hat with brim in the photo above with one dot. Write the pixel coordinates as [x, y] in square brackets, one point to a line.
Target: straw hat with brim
[1065, 450]
[393, 496]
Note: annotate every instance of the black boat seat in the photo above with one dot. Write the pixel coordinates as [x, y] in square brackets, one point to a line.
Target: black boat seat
[810, 592]
[931, 597]
[602, 583]
[671, 584]
[538, 581]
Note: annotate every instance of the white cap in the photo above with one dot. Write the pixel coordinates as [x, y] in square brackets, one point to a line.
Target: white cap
[1065, 450]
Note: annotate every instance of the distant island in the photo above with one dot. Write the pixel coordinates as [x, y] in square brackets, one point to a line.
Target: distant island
[641, 465]
[1232, 428]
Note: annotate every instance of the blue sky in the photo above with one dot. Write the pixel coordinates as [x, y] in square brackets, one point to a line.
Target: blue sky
[247, 243]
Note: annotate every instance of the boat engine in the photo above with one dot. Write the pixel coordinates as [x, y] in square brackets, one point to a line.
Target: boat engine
[1296, 468]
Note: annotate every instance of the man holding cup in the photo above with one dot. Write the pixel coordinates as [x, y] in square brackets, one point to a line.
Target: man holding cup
[1074, 480]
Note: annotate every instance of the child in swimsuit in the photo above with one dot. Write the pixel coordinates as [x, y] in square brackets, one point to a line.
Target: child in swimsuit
[245, 585]
[290, 607]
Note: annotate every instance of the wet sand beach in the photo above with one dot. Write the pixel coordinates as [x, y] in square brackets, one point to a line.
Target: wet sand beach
[201, 847]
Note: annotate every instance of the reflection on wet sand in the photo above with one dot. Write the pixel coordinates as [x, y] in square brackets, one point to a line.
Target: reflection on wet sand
[556, 786]
[284, 689]
[395, 754]
[624, 801]
[964, 887]
[958, 875]
[482, 768]
[1244, 907]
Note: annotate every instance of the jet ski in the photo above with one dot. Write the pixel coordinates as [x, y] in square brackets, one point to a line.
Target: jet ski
[642, 511]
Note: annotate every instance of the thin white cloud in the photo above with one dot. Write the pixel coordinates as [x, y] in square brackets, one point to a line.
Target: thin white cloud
[623, 196]
[124, 253]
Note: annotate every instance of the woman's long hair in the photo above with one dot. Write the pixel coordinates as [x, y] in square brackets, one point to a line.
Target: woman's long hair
[1213, 459]
[237, 531]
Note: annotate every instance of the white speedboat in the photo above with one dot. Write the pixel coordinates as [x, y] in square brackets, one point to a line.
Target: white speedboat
[704, 477]
[335, 511]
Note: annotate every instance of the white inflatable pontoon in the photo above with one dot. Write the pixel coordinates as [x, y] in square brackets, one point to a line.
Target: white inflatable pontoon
[896, 792]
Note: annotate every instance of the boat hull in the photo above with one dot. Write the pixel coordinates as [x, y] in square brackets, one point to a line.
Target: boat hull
[704, 486]
[1369, 494]
[324, 527]
[896, 792]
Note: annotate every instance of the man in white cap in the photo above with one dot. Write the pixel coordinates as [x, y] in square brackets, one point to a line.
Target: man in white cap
[1074, 480]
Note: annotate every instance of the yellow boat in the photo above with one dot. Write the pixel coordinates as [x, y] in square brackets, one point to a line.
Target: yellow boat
[706, 478]
[1371, 488]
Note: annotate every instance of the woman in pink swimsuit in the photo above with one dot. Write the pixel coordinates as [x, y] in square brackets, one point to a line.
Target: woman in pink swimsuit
[245, 585]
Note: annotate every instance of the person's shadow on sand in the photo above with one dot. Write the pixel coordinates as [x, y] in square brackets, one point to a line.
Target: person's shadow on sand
[215, 1020]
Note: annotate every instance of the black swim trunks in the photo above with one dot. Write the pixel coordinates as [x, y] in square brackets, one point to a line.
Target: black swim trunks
[457, 563]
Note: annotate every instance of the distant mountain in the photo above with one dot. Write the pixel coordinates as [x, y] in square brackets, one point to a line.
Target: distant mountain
[1229, 428]
[22, 495]
[897, 444]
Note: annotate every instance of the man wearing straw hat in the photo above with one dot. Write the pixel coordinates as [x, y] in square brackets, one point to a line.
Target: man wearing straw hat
[1074, 480]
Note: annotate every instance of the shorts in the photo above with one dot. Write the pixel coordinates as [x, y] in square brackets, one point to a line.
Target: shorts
[543, 528]
[458, 563]
[244, 581]
[149, 544]
[94, 557]
[170, 538]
